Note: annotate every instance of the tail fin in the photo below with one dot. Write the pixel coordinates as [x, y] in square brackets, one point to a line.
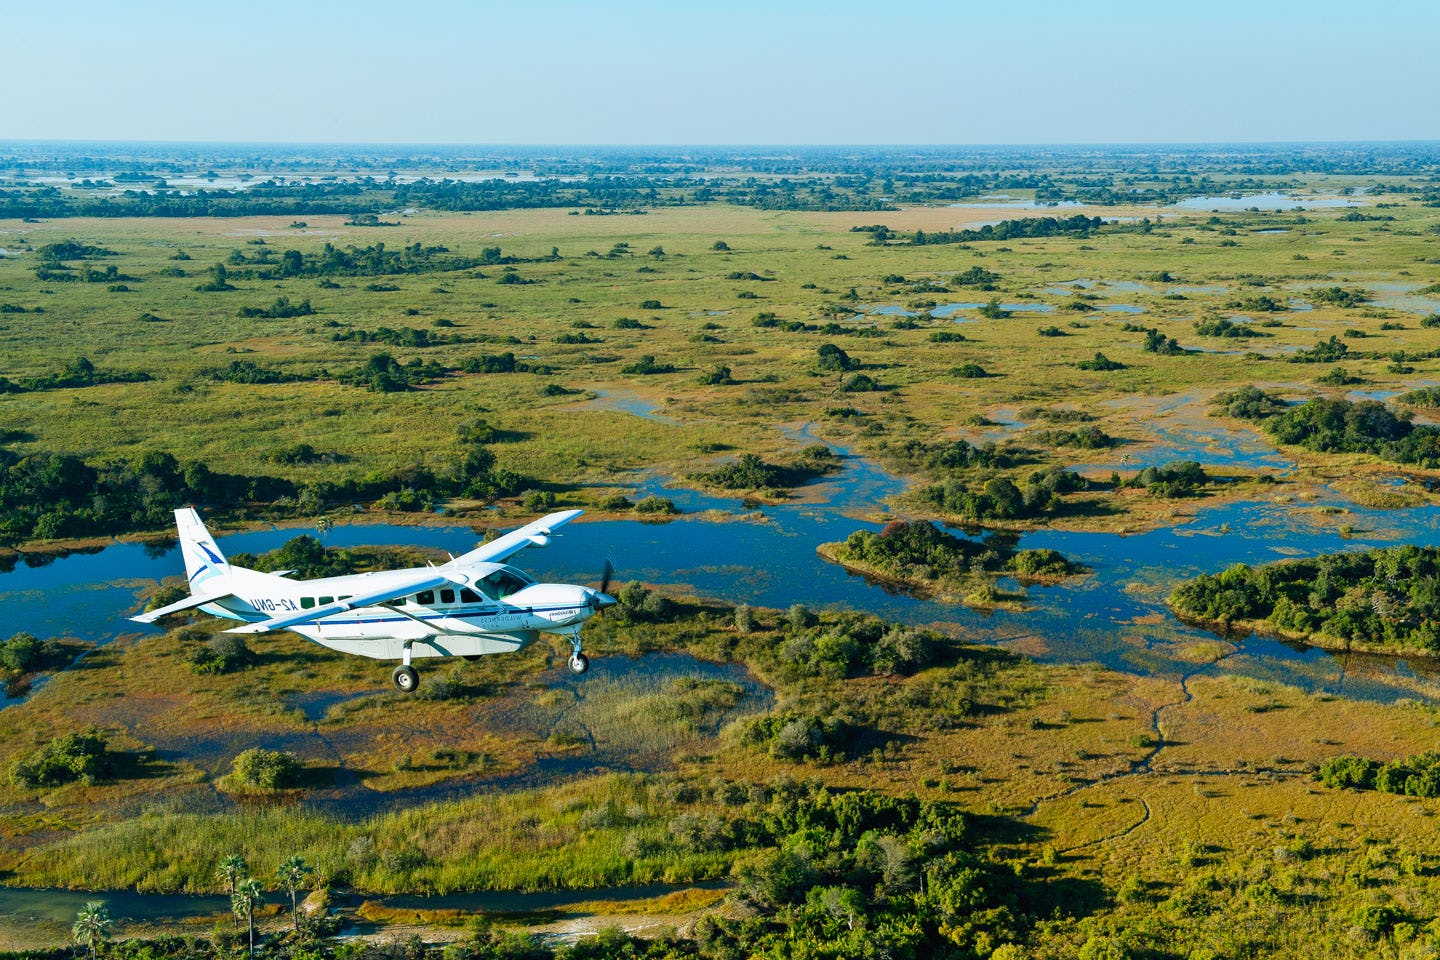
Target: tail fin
[203, 559]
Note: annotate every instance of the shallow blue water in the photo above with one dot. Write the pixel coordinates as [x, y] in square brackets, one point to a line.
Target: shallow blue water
[950, 309]
[1264, 201]
[766, 556]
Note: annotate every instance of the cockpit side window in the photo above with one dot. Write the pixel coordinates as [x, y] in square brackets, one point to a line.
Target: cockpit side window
[502, 583]
[425, 597]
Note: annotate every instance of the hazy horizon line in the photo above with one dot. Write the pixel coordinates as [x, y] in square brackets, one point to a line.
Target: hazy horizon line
[460, 144]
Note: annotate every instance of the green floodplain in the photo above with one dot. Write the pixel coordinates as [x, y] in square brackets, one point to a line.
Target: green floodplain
[336, 335]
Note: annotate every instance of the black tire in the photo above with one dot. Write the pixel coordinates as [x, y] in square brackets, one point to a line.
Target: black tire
[579, 663]
[405, 678]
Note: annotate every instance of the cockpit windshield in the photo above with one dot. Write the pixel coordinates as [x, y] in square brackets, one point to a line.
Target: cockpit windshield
[503, 582]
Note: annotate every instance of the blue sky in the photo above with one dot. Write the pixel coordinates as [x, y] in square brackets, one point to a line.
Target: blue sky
[444, 71]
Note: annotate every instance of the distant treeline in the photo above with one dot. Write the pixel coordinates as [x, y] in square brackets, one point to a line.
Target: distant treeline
[47, 496]
[80, 373]
[626, 179]
[1027, 227]
[372, 261]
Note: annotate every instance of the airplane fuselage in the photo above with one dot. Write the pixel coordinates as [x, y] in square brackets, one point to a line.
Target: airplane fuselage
[470, 606]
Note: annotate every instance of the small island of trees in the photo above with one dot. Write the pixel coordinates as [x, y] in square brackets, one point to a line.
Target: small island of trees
[1381, 600]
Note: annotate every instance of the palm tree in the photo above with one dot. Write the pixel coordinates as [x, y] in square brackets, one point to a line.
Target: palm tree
[92, 925]
[230, 871]
[247, 898]
[291, 874]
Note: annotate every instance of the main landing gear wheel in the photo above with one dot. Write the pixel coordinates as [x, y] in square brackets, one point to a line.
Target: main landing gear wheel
[579, 663]
[405, 679]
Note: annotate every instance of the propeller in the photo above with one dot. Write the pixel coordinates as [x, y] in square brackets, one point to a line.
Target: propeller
[602, 599]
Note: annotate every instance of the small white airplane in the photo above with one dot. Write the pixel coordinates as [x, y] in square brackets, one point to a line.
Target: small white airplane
[472, 606]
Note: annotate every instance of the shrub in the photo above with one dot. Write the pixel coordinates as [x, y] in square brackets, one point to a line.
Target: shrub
[20, 653]
[82, 757]
[539, 501]
[833, 358]
[656, 506]
[224, 653]
[718, 375]
[267, 769]
[858, 383]
[1101, 362]
[646, 365]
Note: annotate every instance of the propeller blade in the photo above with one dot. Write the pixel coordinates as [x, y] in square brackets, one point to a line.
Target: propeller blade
[606, 576]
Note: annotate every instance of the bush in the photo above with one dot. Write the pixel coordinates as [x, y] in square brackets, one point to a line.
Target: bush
[656, 506]
[20, 653]
[797, 736]
[224, 653]
[1178, 478]
[716, 376]
[1100, 362]
[268, 769]
[646, 365]
[832, 358]
[82, 757]
[858, 383]
[539, 501]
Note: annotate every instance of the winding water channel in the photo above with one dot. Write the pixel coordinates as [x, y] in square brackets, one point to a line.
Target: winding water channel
[765, 555]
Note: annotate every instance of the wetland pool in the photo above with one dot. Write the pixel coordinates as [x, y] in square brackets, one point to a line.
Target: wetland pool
[765, 556]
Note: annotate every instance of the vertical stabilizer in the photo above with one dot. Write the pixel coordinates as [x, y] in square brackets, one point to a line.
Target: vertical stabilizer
[203, 559]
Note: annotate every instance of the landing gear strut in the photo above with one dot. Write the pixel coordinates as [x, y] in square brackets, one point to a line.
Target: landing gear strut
[578, 663]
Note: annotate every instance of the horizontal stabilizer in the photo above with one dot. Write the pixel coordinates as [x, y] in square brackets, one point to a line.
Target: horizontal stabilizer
[396, 590]
[189, 603]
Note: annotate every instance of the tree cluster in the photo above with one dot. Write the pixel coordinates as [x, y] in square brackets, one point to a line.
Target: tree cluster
[1386, 597]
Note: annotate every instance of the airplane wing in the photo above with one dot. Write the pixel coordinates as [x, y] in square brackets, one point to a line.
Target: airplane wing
[189, 603]
[428, 581]
[536, 533]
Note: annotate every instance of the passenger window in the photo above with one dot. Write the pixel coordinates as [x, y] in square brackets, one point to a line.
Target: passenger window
[325, 600]
[425, 597]
[447, 596]
[307, 603]
[469, 596]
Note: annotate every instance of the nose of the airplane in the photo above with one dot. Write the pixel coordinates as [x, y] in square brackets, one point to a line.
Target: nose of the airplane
[599, 601]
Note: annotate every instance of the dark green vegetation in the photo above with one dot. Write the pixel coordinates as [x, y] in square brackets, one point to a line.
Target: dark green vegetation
[1417, 776]
[749, 472]
[921, 555]
[1000, 499]
[1336, 425]
[1386, 599]
[261, 769]
[83, 757]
